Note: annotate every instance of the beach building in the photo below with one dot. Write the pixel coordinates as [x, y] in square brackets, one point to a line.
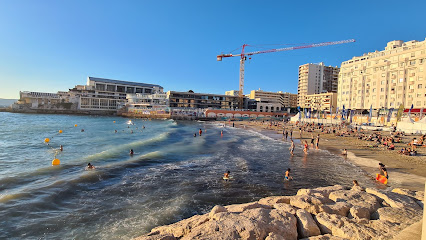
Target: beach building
[101, 94]
[263, 101]
[45, 101]
[385, 79]
[315, 79]
[191, 99]
[321, 102]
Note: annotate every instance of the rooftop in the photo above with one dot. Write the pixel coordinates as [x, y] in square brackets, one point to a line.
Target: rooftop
[105, 80]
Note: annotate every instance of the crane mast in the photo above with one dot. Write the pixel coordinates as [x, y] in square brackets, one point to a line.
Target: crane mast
[244, 55]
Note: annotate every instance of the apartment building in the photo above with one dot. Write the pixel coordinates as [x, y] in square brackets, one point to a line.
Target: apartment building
[385, 79]
[315, 79]
[321, 102]
[272, 101]
[201, 100]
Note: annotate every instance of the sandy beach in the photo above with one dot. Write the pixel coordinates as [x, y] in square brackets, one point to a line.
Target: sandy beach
[404, 171]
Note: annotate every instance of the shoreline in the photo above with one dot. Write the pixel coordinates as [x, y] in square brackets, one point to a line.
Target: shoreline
[402, 172]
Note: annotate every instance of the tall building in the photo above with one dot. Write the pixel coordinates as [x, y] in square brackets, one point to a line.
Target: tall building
[315, 79]
[385, 79]
[271, 101]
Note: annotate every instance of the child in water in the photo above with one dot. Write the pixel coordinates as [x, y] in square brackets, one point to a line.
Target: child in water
[131, 152]
[226, 175]
[90, 166]
[287, 175]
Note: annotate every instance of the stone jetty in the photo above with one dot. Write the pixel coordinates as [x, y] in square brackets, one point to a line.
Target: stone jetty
[333, 213]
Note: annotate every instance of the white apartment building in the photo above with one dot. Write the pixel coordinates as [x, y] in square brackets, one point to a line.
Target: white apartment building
[315, 79]
[385, 79]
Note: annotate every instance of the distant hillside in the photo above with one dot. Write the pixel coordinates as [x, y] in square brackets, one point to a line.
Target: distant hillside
[7, 102]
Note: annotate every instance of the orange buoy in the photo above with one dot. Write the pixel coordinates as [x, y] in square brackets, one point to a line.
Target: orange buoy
[56, 161]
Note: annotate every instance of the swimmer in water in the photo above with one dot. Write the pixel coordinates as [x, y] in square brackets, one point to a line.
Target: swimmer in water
[61, 148]
[287, 175]
[226, 175]
[195, 135]
[90, 166]
[115, 131]
[131, 152]
[221, 133]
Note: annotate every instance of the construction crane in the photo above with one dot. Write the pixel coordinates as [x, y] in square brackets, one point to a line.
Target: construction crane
[244, 55]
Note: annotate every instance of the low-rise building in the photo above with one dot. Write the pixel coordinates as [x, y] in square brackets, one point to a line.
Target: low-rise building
[201, 100]
[271, 101]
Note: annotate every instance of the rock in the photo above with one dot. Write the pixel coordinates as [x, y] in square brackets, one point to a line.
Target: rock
[395, 200]
[217, 209]
[359, 212]
[398, 215]
[306, 225]
[238, 208]
[270, 201]
[324, 237]
[274, 236]
[345, 228]
[157, 237]
[325, 191]
[419, 195]
[285, 208]
[356, 198]
[180, 228]
[308, 203]
[358, 189]
[339, 208]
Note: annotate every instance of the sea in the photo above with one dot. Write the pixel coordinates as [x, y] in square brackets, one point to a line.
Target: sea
[173, 174]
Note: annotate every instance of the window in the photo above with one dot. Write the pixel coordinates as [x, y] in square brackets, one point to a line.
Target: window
[419, 86]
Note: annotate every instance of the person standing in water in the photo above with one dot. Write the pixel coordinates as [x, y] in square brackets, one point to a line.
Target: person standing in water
[131, 152]
[61, 148]
[317, 142]
[292, 148]
[287, 175]
[200, 132]
[305, 147]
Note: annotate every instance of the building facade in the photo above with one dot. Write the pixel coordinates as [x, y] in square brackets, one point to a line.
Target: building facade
[321, 102]
[315, 79]
[385, 79]
[201, 100]
[271, 101]
[107, 94]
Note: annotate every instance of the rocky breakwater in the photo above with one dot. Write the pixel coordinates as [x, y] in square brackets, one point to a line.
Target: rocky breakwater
[322, 213]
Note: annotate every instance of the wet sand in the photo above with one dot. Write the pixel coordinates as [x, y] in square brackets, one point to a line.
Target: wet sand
[404, 171]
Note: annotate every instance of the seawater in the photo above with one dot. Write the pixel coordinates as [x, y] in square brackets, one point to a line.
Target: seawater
[172, 175]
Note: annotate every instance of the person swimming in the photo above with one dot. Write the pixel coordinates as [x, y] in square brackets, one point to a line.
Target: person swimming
[90, 166]
[221, 132]
[61, 148]
[226, 175]
[131, 152]
[195, 135]
[287, 175]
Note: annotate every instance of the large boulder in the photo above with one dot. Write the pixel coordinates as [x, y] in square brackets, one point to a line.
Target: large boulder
[285, 208]
[324, 237]
[344, 227]
[217, 209]
[395, 200]
[270, 201]
[325, 191]
[419, 195]
[238, 208]
[306, 225]
[398, 215]
[356, 198]
[359, 213]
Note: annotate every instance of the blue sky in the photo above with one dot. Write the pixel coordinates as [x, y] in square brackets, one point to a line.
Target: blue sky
[51, 46]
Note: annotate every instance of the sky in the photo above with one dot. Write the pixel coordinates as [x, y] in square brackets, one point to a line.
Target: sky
[51, 46]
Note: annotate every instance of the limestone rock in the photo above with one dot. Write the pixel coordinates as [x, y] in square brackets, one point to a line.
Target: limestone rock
[419, 195]
[395, 200]
[270, 201]
[345, 228]
[217, 209]
[399, 215]
[274, 236]
[356, 198]
[306, 225]
[181, 228]
[324, 237]
[325, 191]
[157, 237]
[339, 208]
[358, 188]
[285, 208]
[359, 212]
[238, 208]
[309, 203]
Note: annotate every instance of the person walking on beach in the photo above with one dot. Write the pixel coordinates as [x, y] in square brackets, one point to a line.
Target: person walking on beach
[292, 148]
